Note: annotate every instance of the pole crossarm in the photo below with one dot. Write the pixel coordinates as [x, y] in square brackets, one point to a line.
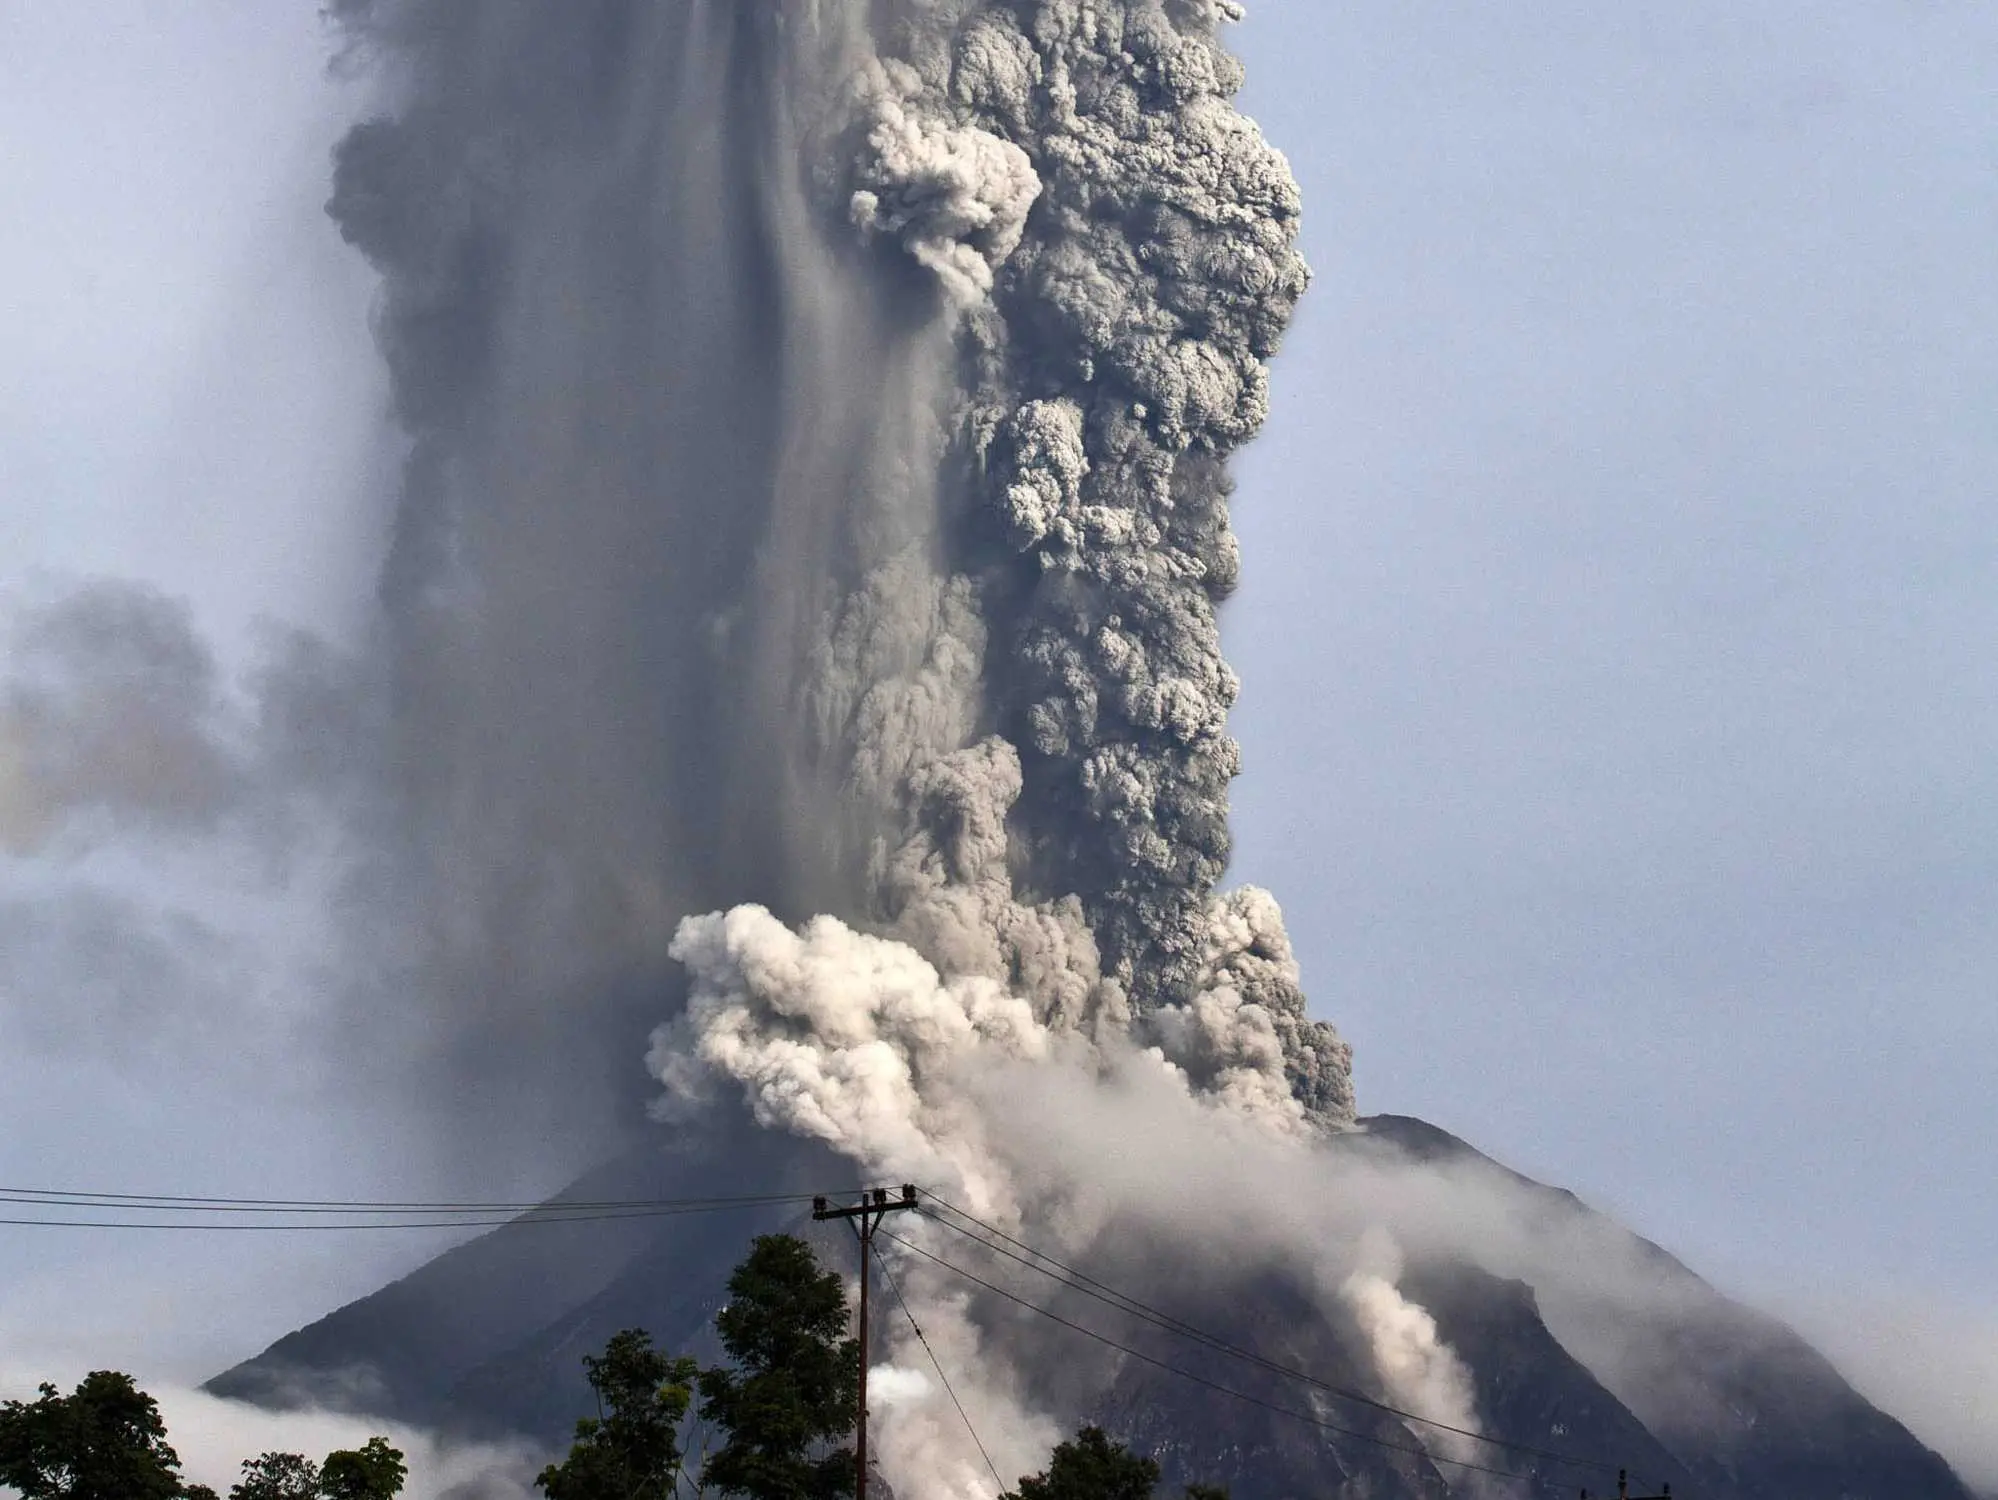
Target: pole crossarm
[872, 1203]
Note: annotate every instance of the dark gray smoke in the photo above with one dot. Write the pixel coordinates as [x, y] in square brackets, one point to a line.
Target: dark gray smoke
[815, 496]
[817, 488]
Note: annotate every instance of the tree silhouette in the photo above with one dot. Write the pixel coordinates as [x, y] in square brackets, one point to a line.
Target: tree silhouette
[103, 1441]
[796, 1378]
[277, 1476]
[631, 1449]
[374, 1471]
[1090, 1466]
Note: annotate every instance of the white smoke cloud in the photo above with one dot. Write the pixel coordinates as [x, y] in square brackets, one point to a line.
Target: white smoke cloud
[1420, 1372]
[920, 1431]
[845, 1038]
[860, 1042]
[895, 1385]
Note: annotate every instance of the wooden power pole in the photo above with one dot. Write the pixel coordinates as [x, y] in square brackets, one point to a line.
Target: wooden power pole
[865, 1215]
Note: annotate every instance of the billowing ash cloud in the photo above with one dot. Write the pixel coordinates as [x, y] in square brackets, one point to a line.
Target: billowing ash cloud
[1084, 1142]
[817, 493]
[801, 595]
[810, 549]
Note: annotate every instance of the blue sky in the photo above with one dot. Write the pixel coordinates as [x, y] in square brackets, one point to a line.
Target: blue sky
[1616, 623]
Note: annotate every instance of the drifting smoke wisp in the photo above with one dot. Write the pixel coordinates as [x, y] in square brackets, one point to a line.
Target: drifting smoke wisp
[1419, 1371]
[113, 708]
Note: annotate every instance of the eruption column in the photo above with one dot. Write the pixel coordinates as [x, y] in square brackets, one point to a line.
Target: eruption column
[817, 494]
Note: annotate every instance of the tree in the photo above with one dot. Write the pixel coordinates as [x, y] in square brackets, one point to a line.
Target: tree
[1091, 1467]
[374, 1471]
[631, 1449]
[795, 1383]
[103, 1441]
[277, 1476]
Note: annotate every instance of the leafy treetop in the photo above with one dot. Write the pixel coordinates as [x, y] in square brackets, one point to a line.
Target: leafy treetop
[277, 1476]
[631, 1449]
[1090, 1466]
[374, 1471]
[791, 1394]
[105, 1440]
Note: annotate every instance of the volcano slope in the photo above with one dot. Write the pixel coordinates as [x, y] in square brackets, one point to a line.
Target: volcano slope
[1571, 1377]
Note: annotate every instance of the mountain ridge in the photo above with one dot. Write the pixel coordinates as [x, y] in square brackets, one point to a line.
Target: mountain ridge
[1689, 1388]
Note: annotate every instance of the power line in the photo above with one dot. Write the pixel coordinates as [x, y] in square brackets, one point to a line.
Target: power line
[1215, 1385]
[81, 1198]
[488, 1214]
[520, 1221]
[409, 1215]
[896, 1287]
[1090, 1287]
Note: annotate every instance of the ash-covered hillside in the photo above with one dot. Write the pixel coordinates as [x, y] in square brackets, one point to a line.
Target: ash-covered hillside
[1724, 1404]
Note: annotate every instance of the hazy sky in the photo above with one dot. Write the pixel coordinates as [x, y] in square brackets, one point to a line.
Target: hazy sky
[1619, 613]
[1618, 599]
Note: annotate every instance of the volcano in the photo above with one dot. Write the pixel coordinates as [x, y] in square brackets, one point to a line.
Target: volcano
[799, 636]
[1721, 1401]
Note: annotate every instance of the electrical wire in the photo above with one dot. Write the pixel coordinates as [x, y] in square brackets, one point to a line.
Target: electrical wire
[1215, 1385]
[78, 1198]
[896, 1287]
[1195, 1376]
[1076, 1280]
[406, 1214]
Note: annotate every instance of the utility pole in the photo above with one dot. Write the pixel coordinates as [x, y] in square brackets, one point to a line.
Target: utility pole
[1623, 1489]
[865, 1215]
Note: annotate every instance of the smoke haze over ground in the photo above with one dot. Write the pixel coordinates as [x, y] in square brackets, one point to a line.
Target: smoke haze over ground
[542, 782]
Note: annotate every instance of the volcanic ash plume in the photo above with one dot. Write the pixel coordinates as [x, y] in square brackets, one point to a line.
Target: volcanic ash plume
[797, 659]
[816, 516]
[799, 596]
[817, 490]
